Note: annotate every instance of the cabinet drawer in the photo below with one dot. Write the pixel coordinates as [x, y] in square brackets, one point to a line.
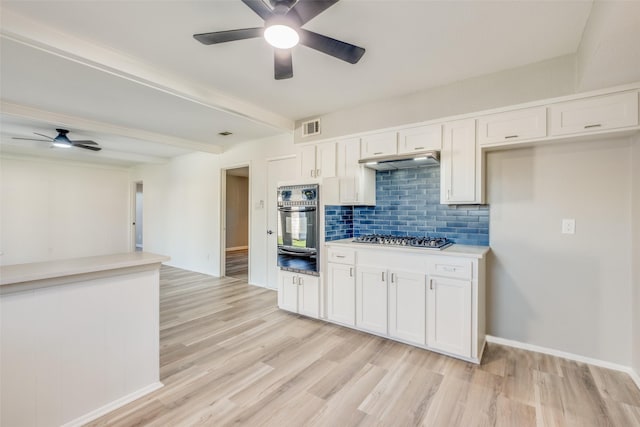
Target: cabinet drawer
[513, 126]
[457, 269]
[341, 256]
[594, 114]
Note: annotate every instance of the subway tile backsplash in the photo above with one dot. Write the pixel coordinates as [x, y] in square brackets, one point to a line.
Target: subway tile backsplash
[408, 203]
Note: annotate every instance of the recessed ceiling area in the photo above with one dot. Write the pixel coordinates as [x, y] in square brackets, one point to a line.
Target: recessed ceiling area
[135, 64]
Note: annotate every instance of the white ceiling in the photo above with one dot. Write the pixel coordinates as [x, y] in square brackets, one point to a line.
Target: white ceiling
[135, 65]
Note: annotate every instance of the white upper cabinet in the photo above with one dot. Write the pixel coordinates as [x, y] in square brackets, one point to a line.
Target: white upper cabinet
[459, 165]
[379, 145]
[355, 184]
[318, 161]
[593, 114]
[512, 126]
[420, 138]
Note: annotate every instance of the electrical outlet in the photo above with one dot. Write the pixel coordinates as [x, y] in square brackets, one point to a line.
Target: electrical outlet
[569, 226]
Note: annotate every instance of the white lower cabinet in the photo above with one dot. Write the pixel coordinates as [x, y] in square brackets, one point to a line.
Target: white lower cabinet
[341, 293]
[299, 293]
[449, 315]
[407, 306]
[371, 299]
[433, 301]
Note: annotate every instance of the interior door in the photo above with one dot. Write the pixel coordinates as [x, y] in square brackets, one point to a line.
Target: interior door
[277, 171]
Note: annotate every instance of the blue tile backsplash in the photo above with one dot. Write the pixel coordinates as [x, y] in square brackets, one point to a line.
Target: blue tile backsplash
[408, 203]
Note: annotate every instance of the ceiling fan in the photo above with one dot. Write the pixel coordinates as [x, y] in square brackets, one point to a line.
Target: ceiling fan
[282, 29]
[63, 141]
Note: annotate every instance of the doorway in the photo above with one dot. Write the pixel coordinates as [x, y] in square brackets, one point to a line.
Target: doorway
[137, 215]
[236, 223]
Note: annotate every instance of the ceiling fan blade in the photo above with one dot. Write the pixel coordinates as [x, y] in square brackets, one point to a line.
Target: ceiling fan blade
[336, 48]
[32, 139]
[309, 9]
[229, 36]
[44, 136]
[88, 147]
[259, 7]
[283, 64]
[84, 143]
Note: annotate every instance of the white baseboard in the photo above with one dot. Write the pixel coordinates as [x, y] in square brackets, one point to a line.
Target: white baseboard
[84, 419]
[236, 248]
[571, 356]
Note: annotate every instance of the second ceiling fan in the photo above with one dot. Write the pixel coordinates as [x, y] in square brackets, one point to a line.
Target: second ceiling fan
[282, 29]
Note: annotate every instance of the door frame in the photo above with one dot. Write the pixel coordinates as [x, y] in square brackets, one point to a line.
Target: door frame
[223, 216]
[132, 212]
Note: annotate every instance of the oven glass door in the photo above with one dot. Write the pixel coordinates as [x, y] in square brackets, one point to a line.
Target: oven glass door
[297, 235]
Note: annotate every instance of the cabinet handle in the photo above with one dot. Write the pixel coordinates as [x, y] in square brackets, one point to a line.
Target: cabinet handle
[313, 173]
[453, 269]
[379, 152]
[293, 280]
[340, 256]
[593, 126]
[431, 284]
[510, 136]
[448, 194]
[383, 276]
[318, 172]
[350, 271]
[419, 148]
[300, 281]
[392, 277]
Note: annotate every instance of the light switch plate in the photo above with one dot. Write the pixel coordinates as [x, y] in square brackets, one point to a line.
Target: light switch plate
[569, 226]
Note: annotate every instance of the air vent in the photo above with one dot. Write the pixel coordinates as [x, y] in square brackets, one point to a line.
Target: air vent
[312, 127]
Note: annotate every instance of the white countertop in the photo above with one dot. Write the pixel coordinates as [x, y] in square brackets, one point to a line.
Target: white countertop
[453, 250]
[21, 273]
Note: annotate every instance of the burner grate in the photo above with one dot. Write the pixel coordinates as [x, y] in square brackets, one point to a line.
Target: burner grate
[410, 241]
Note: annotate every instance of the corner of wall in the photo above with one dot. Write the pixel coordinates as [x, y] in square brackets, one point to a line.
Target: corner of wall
[635, 256]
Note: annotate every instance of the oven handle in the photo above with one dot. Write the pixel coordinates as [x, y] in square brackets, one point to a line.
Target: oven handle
[297, 209]
[295, 253]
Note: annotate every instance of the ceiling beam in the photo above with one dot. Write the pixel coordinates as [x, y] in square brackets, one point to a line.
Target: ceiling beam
[20, 29]
[106, 128]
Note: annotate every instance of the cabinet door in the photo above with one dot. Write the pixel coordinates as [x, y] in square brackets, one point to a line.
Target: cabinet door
[309, 295]
[420, 138]
[380, 144]
[458, 163]
[307, 161]
[407, 306]
[347, 158]
[341, 293]
[288, 291]
[371, 299]
[449, 315]
[513, 126]
[326, 160]
[594, 114]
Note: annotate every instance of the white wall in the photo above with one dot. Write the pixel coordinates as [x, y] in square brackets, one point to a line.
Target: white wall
[139, 210]
[636, 254]
[566, 292]
[54, 210]
[608, 54]
[547, 79]
[182, 205]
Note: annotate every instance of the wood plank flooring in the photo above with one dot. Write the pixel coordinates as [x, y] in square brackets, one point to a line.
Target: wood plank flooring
[237, 264]
[229, 356]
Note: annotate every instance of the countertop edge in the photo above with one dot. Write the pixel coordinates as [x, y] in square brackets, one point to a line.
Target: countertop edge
[468, 251]
[16, 274]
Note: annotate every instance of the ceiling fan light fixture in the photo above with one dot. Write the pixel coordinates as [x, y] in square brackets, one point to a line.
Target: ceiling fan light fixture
[61, 144]
[61, 141]
[281, 36]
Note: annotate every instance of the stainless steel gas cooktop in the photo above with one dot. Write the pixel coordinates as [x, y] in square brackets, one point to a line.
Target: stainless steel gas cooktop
[411, 241]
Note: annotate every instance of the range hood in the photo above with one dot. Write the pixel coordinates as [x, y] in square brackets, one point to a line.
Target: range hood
[402, 161]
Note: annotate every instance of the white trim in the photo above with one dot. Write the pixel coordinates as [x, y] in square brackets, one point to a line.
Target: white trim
[236, 248]
[113, 405]
[571, 356]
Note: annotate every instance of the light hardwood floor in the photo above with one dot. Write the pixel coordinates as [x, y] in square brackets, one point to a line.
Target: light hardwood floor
[237, 264]
[229, 356]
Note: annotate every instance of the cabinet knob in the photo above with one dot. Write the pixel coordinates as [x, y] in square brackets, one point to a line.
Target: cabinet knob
[431, 284]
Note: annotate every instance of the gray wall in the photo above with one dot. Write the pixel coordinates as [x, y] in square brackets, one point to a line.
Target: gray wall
[237, 214]
[636, 255]
[566, 292]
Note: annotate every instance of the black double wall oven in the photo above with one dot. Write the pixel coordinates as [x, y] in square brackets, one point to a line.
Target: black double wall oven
[298, 228]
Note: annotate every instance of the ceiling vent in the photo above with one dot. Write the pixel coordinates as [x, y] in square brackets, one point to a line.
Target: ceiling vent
[310, 128]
